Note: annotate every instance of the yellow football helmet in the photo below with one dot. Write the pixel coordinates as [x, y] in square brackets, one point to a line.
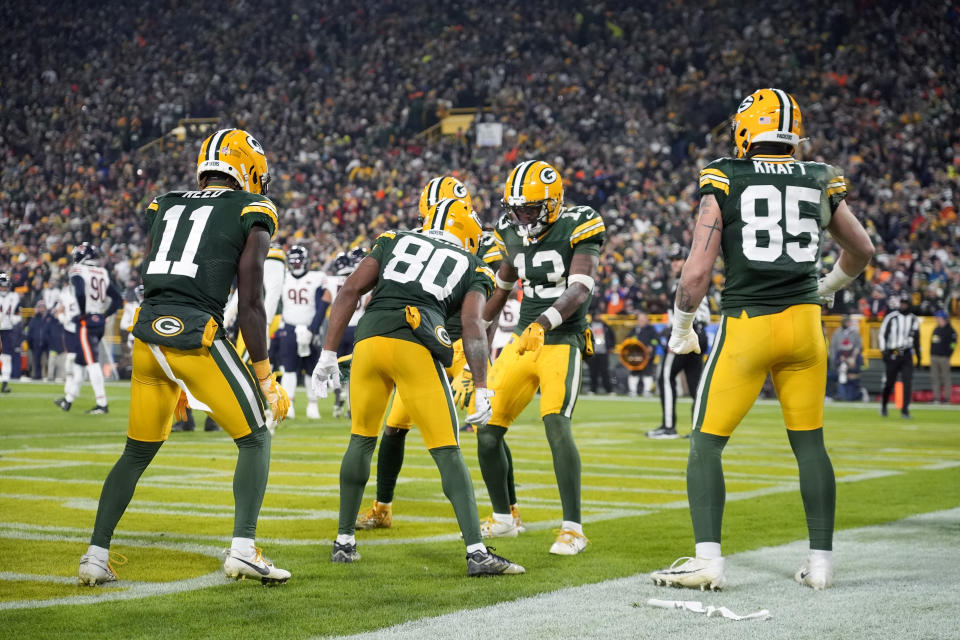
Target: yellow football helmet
[237, 154]
[441, 188]
[767, 115]
[453, 221]
[533, 196]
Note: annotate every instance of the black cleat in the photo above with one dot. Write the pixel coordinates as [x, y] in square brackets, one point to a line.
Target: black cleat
[663, 433]
[210, 425]
[5, 387]
[487, 563]
[63, 404]
[344, 553]
[99, 410]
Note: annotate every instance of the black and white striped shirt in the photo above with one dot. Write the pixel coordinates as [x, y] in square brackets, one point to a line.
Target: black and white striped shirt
[899, 332]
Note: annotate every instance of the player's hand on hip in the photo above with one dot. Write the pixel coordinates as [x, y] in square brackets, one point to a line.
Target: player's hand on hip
[326, 375]
[531, 339]
[826, 293]
[684, 341]
[481, 404]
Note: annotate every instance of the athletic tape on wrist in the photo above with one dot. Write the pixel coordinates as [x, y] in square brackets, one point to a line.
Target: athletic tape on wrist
[683, 320]
[553, 317]
[504, 284]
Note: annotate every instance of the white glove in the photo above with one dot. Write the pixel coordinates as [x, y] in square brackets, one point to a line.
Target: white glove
[684, 341]
[825, 293]
[326, 375]
[481, 405]
[303, 337]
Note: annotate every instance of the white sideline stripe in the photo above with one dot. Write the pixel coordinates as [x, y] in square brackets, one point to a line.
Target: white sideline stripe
[134, 592]
[890, 577]
[9, 576]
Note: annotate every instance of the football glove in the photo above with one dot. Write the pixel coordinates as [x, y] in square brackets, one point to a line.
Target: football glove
[684, 341]
[463, 388]
[326, 375]
[531, 339]
[180, 412]
[275, 395]
[481, 404]
[825, 293]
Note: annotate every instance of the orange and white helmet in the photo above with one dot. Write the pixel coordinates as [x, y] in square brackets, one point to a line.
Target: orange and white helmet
[452, 221]
[767, 115]
[533, 196]
[237, 154]
[441, 188]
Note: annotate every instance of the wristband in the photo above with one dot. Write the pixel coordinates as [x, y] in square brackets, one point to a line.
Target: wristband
[583, 279]
[504, 284]
[682, 320]
[553, 317]
[837, 279]
[262, 369]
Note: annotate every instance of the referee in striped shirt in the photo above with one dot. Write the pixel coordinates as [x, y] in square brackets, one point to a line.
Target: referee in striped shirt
[900, 344]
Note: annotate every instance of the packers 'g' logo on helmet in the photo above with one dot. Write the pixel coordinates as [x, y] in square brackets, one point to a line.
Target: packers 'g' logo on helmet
[533, 196]
[451, 220]
[237, 154]
[767, 115]
[440, 189]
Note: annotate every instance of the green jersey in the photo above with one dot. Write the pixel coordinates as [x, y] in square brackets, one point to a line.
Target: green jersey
[774, 211]
[420, 271]
[490, 253]
[543, 265]
[196, 238]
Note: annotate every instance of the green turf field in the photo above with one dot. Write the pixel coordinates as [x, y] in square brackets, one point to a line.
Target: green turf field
[52, 465]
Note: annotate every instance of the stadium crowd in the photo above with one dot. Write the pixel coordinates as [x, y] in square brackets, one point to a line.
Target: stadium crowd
[628, 99]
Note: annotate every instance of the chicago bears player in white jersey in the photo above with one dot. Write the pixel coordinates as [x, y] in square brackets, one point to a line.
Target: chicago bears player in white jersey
[9, 319]
[97, 299]
[343, 266]
[66, 310]
[304, 304]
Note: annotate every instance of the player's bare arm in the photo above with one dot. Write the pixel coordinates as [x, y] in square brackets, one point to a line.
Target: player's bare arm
[251, 315]
[506, 280]
[475, 346]
[857, 248]
[704, 249]
[583, 265]
[357, 283]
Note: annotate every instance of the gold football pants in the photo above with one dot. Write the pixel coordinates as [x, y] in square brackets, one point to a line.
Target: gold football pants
[379, 365]
[214, 379]
[399, 417]
[514, 378]
[789, 346]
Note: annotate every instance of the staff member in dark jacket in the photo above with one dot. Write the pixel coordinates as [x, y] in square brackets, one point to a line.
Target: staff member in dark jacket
[900, 344]
[942, 343]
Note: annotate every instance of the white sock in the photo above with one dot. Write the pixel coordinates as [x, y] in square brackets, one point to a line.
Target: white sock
[71, 389]
[821, 554]
[243, 545]
[576, 527]
[101, 554]
[346, 538]
[473, 548]
[96, 381]
[383, 504]
[289, 382]
[6, 361]
[503, 518]
[709, 550]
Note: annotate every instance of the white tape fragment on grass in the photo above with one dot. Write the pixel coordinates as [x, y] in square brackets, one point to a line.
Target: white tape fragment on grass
[711, 611]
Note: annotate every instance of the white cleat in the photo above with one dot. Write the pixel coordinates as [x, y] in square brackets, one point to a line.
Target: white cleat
[313, 413]
[93, 571]
[816, 573]
[238, 566]
[490, 528]
[568, 543]
[693, 573]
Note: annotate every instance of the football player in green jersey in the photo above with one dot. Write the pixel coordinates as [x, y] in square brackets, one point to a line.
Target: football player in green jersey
[554, 251]
[197, 242]
[766, 211]
[418, 280]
